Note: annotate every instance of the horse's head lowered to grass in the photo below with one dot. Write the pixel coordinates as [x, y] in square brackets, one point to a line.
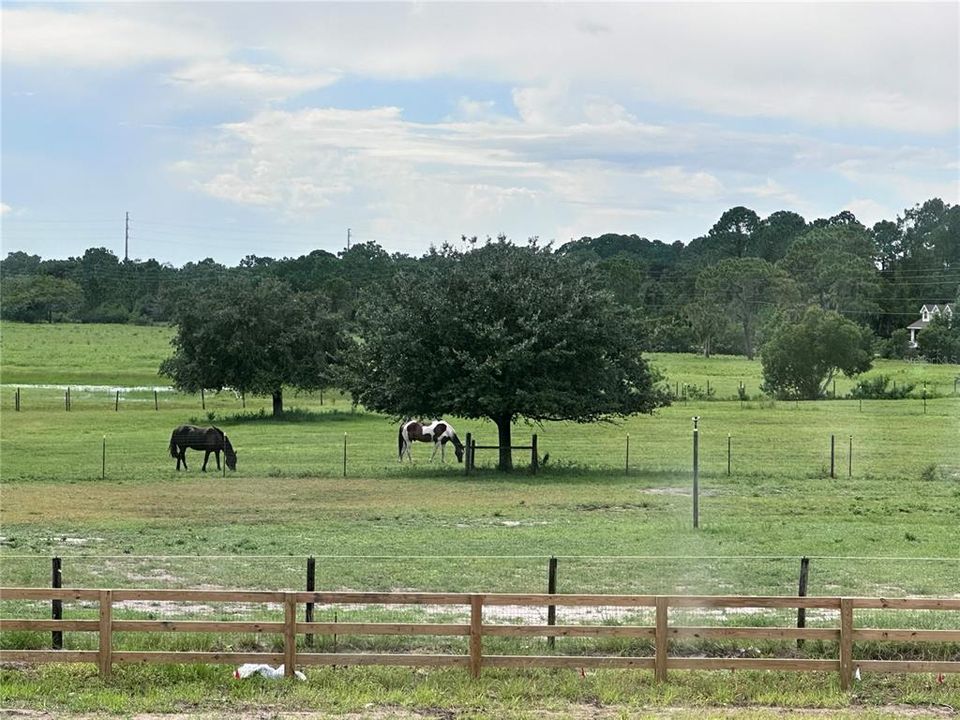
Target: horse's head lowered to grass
[439, 432]
[229, 454]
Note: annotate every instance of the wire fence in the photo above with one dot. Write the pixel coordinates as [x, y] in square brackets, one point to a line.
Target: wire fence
[642, 575]
[828, 439]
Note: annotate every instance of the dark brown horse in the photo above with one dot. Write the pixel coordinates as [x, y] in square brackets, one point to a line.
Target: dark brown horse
[210, 440]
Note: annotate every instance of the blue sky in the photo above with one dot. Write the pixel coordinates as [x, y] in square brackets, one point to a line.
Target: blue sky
[234, 128]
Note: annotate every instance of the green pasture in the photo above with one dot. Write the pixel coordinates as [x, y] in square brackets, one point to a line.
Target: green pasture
[83, 354]
[97, 487]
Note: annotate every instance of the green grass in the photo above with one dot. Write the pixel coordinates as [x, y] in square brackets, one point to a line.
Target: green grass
[724, 373]
[429, 527]
[83, 354]
[497, 694]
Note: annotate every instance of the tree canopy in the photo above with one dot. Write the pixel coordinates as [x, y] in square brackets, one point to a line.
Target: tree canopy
[501, 332]
[748, 288]
[879, 276]
[800, 358]
[254, 336]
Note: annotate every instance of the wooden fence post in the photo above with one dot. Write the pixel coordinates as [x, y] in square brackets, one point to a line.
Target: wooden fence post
[311, 586]
[105, 649]
[660, 641]
[289, 634]
[833, 442]
[802, 592]
[729, 453]
[16, 399]
[473, 455]
[626, 469]
[116, 405]
[850, 458]
[476, 634]
[846, 643]
[203, 400]
[56, 606]
[466, 469]
[534, 459]
[156, 401]
[552, 590]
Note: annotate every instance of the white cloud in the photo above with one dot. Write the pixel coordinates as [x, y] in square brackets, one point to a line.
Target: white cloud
[4, 208]
[470, 109]
[823, 64]
[869, 211]
[100, 38]
[224, 78]
[770, 189]
[882, 65]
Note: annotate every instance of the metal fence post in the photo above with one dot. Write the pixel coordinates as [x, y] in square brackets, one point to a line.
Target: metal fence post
[552, 590]
[696, 473]
[56, 606]
[802, 592]
[311, 586]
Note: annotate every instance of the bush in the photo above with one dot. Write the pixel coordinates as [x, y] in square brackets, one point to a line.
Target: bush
[878, 388]
[695, 392]
[897, 346]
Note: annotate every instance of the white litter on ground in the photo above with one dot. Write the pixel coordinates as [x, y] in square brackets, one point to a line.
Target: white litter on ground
[267, 671]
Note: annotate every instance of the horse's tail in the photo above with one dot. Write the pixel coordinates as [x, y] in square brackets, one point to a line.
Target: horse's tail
[400, 441]
[173, 445]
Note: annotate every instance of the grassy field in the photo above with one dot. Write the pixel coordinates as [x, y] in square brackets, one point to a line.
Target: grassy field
[886, 523]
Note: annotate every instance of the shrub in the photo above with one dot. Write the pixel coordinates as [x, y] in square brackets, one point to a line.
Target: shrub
[878, 388]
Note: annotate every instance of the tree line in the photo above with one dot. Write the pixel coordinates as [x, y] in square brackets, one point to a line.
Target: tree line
[502, 331]
[707, 295]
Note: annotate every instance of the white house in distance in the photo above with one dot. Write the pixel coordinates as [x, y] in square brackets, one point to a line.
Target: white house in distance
[927, 312]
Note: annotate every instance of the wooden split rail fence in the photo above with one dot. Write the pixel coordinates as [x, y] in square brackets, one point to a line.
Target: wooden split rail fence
[661, 633]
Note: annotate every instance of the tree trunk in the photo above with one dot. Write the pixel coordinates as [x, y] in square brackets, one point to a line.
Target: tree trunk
[278, 402]
[504, 441]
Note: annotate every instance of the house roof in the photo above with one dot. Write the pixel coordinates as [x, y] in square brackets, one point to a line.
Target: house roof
[931, 309]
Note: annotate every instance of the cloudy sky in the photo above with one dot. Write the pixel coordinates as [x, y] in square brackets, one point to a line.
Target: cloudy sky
[233, 128]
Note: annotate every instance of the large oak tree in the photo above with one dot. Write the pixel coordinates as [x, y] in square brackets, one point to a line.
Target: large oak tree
[254, 335]
[501, 332]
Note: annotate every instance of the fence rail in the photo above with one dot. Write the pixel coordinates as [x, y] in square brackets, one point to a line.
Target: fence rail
[662, 632]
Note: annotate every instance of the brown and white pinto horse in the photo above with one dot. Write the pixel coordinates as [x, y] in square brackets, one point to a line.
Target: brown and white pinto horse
[438, 432]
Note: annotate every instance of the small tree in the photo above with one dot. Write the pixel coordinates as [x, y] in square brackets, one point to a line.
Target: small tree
[501, 332]
[939, 342]
[800, 359]
[254, 336]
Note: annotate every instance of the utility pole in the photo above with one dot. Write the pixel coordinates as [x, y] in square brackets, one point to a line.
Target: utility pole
[348, 238]
[126, 239]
